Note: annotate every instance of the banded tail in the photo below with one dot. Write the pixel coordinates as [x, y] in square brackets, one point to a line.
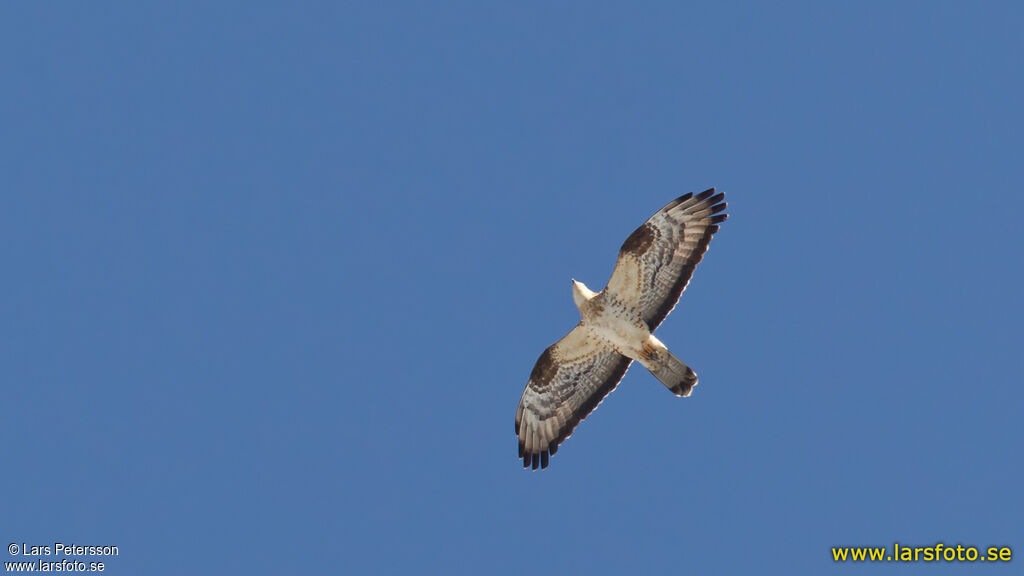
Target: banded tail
[670, 370]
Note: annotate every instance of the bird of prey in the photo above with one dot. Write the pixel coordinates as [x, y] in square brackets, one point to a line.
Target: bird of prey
[574, 374]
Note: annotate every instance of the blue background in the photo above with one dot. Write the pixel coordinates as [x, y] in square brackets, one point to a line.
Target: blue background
[275, 275]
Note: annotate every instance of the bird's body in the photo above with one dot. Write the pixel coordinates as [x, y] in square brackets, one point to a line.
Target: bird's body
[616, 325]
[602, 316]
[573, 375]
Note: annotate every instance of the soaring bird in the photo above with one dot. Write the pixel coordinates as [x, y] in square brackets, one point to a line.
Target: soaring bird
[574, 374]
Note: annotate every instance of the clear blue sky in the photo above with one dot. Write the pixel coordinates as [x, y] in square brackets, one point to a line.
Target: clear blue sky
[275, 276]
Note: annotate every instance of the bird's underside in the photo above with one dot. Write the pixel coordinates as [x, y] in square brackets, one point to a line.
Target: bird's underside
[574, 374]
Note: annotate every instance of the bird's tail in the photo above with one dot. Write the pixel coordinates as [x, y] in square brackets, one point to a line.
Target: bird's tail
[671, 371]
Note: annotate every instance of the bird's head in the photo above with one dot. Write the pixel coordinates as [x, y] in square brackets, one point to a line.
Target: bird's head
[580, 293]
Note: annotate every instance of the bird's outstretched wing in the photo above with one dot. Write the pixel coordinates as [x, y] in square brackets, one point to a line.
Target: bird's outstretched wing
[657, 260]
[569, 380]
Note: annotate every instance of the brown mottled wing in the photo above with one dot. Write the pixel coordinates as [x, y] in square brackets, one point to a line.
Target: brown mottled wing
[657, 260]
[569, 380]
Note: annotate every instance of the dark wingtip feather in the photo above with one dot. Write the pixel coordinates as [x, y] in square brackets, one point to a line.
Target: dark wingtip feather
[719, 218]
[704, 195]
[716, 198]
[675, 202]
[543, 460]
[534, 461]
